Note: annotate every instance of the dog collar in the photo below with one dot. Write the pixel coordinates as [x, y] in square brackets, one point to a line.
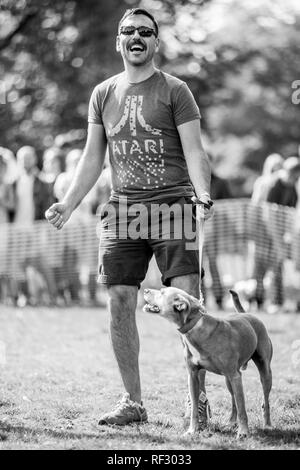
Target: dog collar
[186, 327]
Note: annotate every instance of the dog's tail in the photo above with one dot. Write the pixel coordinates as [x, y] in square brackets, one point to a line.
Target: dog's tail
[236, 301]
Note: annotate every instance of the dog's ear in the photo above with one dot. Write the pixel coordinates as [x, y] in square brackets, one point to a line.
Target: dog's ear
[181, 304]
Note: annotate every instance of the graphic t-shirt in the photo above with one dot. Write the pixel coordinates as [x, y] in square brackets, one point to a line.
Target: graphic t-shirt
[140, 121]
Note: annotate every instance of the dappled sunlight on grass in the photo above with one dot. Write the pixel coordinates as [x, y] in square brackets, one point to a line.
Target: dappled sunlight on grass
[60, 375]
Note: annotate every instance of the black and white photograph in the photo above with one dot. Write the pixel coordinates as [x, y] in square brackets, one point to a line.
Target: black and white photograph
[150, 227]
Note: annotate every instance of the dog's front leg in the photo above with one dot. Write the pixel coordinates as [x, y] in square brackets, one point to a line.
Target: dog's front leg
[237, 388]
[233, 416]
[193, 382]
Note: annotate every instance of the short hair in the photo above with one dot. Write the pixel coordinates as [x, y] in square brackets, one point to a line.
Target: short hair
[26, 149]
[292, 164]
[138, 11]
[273, 161]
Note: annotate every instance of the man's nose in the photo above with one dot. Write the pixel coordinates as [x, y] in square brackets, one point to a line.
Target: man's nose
[136, 33]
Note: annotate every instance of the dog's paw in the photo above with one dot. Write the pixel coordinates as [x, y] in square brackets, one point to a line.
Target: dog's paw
[232, 424]
[191, 432]
[242, 433]
[268, 426]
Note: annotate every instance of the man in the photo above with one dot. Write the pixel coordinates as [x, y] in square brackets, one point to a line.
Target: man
[150, 122]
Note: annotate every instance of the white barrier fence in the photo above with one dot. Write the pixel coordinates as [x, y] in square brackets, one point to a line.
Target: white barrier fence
[242, 241]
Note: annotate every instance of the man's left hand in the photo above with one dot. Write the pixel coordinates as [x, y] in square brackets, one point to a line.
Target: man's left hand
[206, 203]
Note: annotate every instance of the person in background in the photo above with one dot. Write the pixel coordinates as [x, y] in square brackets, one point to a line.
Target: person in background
[219, 189]
[7, 201]
[11, 174]
[33, 195]
[296, 244]
[6, 206]
[53, 165]
[273, 163]
[264, 254]
[283, 191]
[81, 215]
[84, 210]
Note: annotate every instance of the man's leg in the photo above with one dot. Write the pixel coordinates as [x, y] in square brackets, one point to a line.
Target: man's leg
[188, 282]
[122, 301]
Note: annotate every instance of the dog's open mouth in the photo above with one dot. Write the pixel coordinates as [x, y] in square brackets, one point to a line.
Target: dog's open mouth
[151, 308]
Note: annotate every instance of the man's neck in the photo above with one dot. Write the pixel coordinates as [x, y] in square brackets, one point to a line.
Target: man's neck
[139, 74]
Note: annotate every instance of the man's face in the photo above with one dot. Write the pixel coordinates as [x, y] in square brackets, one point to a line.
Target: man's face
[135, 49]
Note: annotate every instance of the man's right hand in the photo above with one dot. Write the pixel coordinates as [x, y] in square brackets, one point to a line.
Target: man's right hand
[58, 214]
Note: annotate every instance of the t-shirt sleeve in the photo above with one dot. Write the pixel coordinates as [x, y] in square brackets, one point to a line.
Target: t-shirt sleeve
[184, 106]
[95, 113]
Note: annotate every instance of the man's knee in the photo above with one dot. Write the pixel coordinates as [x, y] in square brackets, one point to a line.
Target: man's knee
[122, 300]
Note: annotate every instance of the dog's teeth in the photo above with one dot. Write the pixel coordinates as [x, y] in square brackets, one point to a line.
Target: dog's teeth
[152, 308]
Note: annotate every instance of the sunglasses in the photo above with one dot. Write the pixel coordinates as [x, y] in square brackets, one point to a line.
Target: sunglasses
[143, 31]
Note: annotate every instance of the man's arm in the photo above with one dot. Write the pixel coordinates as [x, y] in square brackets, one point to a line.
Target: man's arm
[196, 158]
[89, 167]
[87, 173]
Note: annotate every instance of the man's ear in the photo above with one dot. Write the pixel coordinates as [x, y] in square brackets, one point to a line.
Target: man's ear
[118, 48]
[157, 42]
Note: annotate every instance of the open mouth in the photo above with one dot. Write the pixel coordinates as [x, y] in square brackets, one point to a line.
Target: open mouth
[151, 308]
[137, 48]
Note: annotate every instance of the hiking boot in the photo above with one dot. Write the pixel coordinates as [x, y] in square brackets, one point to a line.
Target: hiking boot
[125, 412]
[203, 410]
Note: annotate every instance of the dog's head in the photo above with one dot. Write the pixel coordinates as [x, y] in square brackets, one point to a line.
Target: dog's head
[173, 304]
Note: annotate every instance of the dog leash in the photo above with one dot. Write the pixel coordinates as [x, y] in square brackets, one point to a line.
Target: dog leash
[200, 219]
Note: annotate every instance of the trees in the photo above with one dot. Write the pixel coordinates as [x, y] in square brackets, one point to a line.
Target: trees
[239, 58]
[52, 54]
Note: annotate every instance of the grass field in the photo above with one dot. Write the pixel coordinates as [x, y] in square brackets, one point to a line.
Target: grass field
[57, 376]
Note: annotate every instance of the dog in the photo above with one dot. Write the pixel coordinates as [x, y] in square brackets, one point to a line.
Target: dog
[222, 346]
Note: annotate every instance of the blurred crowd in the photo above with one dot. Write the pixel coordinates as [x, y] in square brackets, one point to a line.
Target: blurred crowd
[27, 189]
[272, 243]
[29, 186]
